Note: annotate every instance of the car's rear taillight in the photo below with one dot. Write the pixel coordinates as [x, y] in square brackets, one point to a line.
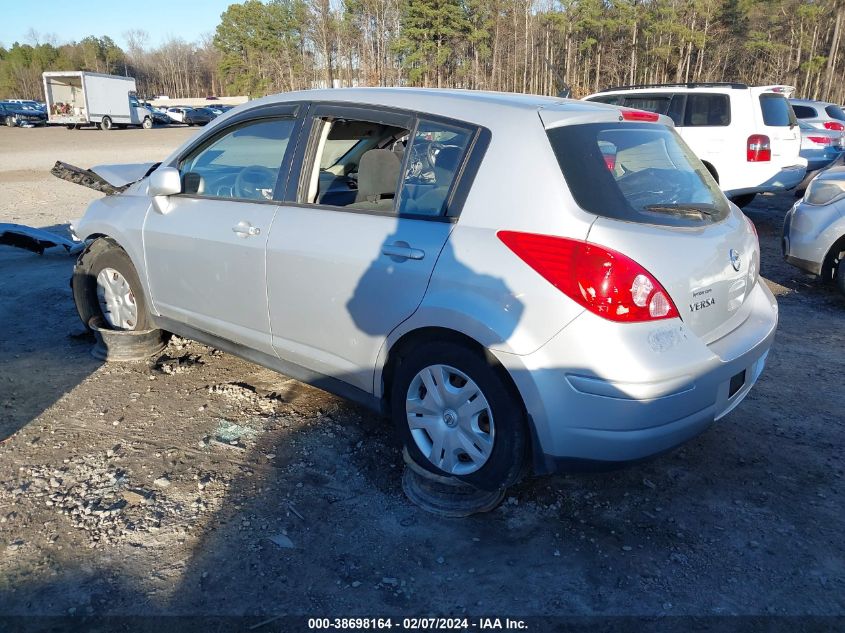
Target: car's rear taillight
[833, 125]
[639, 115]
[759, 148]
[820, 140]
[605, 282]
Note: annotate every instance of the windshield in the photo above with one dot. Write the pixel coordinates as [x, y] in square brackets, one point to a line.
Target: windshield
[639, 172]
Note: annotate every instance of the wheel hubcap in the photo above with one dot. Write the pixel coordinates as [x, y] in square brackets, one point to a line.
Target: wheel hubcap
[450, 420]
[116, 300]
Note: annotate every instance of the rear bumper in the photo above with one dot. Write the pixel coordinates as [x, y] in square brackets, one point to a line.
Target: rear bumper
[600, 394]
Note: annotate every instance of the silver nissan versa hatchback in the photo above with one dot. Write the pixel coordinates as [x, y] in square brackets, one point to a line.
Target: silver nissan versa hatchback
[515, 280]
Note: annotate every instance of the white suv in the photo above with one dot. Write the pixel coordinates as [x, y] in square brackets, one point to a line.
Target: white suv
[747, 137]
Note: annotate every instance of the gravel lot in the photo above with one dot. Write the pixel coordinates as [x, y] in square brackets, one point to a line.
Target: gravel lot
[199, 483]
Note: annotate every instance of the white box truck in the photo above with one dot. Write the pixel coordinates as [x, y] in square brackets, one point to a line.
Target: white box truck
[81, 98]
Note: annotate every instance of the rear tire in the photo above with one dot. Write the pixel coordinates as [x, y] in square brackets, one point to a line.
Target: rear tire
[744, 200]
[106, 123]
[10, 121]
[476, 430]
[840, 276]
[147, 124]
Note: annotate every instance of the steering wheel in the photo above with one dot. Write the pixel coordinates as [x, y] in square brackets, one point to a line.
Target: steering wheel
[432, 151]
[255, 182]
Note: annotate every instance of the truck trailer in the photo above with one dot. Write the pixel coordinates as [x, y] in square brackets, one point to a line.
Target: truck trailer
[79, 98]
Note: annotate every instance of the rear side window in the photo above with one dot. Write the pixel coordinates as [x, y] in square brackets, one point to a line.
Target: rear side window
[637, 172]
[804, 112]
[435, 155]
[709, 110]
[776, 111]
[835, 112]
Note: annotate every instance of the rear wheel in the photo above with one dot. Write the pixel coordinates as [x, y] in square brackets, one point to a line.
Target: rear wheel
[458, 415]
[744, 200]
[10, 121]
[106, 123]
[840, 276]
[147, 124]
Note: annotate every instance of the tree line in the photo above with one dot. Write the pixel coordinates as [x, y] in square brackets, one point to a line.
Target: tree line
[537, 46]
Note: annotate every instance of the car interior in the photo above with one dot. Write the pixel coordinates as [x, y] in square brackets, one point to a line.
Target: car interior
[242, 164]
[358, 164]
[369, 175]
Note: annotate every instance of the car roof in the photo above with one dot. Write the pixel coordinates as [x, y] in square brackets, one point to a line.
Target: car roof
[476, 106]
[811, 102]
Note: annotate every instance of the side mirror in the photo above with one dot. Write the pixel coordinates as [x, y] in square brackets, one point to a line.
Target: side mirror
[164, 181]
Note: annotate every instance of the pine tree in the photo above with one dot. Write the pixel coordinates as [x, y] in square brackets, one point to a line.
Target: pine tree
[430, 29]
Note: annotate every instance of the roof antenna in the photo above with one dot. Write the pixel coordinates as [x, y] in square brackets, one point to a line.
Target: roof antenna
[565, 91]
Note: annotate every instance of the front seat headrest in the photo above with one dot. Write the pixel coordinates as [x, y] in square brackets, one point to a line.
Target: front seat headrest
[378, 175]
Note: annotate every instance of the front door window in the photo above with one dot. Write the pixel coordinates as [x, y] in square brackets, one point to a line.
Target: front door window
[242, 164]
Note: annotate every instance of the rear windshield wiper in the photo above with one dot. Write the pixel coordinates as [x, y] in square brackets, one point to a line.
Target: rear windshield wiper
[683, 208]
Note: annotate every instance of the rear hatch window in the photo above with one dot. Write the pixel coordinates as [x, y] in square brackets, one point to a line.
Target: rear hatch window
[637, 172]
[776, 111]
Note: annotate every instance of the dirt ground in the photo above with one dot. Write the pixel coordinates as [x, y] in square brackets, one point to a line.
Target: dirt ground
[198, 483]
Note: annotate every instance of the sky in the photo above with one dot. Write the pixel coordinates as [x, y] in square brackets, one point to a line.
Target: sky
[64, 19]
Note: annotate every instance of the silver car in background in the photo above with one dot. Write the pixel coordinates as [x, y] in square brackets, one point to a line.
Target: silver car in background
[514, 280]
[819, 114]
[814, 228]
[820, 147]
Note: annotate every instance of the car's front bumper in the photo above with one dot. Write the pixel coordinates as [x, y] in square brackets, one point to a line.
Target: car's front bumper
[601, 393]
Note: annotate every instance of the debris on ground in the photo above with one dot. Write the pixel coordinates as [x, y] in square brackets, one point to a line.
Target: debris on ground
[35, 240]
[282, 541]
[96, 495]
[232, 433]
[176, 365]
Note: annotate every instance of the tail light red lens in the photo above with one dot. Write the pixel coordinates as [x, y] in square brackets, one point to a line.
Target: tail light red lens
[610, 161]
[820, 140]
[639, 115]
[759, 148]
[605, 282]
[834, 125]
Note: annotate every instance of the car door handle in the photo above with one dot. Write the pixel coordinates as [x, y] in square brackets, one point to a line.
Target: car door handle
[401, 250]
[245, 229]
